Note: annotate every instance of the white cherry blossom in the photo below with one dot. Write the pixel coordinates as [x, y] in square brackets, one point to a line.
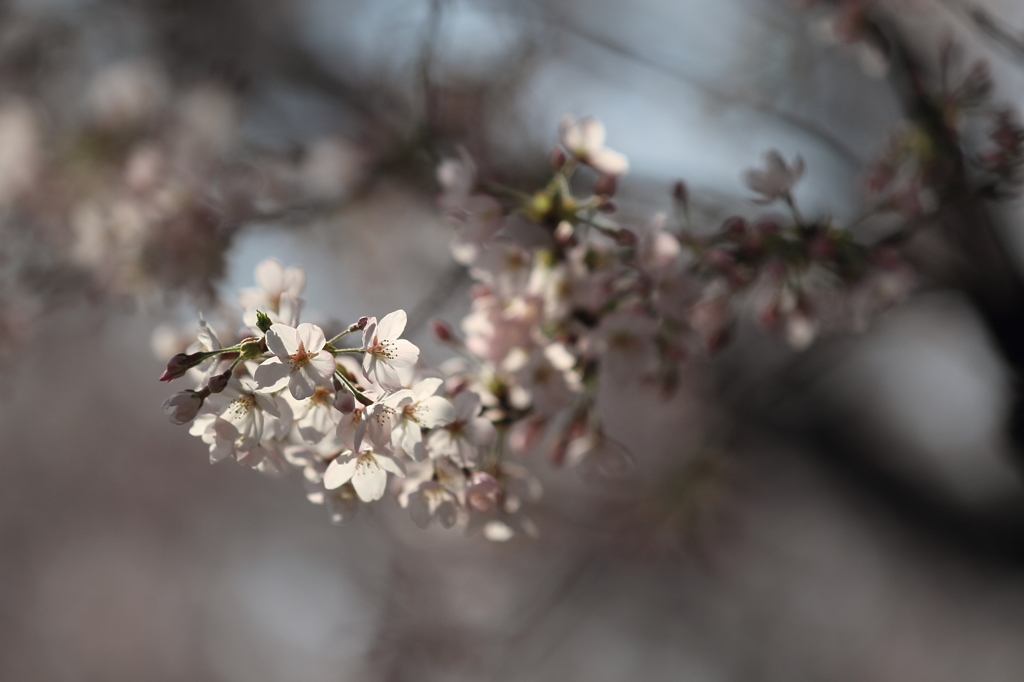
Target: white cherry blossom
[300, 362]
[367, 471]
[584, 139]
[417, 409]
[466, 434]
[777, 179]
[385, 353]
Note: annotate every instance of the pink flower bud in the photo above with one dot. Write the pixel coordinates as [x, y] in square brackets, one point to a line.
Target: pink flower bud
[219, 383]
[681, 193]
[178, 365]
[734, 226]
[606, 185]
[625, 238]
[557, 159]
[442, 331]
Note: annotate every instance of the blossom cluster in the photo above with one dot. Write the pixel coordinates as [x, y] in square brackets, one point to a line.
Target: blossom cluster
[596, 302]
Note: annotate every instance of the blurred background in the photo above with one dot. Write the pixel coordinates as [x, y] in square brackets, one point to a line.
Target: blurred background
[850, 513]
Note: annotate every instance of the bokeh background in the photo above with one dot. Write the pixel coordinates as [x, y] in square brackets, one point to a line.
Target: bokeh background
[852, 513]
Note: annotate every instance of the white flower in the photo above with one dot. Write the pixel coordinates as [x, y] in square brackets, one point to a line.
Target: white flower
[385, 352]
[777, 179]
[279, 294]
[367, 471]
[300, 362]
[584, 139]
[415, 410]
[316, 416]
[462, 439]
[241, 406]
[432, 500]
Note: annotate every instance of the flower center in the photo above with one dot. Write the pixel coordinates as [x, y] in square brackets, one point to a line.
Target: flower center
[384, 349]
[241, 405]
[299, 358]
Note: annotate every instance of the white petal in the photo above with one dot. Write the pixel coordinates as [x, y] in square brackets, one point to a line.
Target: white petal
[323, 364]
[272, 375]
[447, 513]
[481, 431]
[419, 511]
[498, 531]
[270, 276]
[406, 353]
[282, 340]
[466, 404]
[369, 331]
[435, 411]
[388, 464]
[339, 472]
[392, 325]
[302, 383]
[408, 436]
[369, 480]
[387, 376]
[608, 161]
[426, 388]
[311, 336]
[592, 134]
[569, 133]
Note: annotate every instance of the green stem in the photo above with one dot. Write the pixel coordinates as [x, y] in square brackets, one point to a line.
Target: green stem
[344, 333]
[359, 395]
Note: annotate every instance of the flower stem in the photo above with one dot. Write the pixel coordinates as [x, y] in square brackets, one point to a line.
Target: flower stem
[359, 395]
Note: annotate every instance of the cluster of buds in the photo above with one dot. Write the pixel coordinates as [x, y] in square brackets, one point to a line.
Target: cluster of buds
[548, 326]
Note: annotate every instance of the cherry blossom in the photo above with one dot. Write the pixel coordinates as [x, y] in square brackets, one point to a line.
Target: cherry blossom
[584, 139]
[385, 353]
[777, 179]
[466, 434]
[368, 472]
[418, 409]
[300, 362]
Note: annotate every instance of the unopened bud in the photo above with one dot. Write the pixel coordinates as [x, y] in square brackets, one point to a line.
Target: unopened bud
[607, 207]
[734, 226]
[625, 238]
[263, 321]
[359, 324]
[681, 193]
[606, 185]
[179, 364]
[557, 158]
[251, 348]
[443, 331]
[219, 383]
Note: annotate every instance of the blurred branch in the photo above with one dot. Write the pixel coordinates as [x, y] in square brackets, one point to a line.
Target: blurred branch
[812, 128]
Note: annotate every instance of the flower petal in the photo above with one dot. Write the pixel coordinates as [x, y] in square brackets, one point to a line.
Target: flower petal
[302, 383]
[311, 337]
[435, 411]
[369, 480]
[272, 375]
[406, 353]
[339, 472]
[392, 325]
[323, 364]
[282, 340]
